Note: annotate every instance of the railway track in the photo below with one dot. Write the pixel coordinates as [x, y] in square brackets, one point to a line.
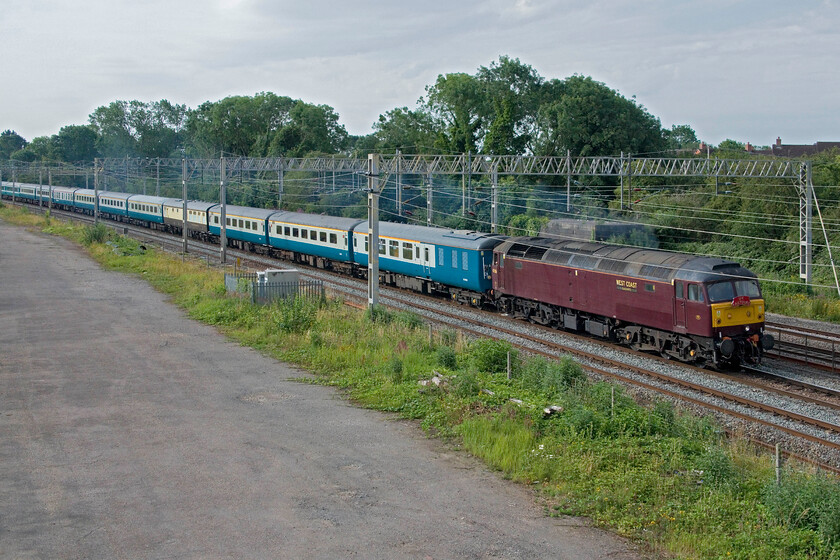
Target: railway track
[806, 346]
[816, 429]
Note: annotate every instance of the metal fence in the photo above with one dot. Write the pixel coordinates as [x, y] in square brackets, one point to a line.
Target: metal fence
[247, 284]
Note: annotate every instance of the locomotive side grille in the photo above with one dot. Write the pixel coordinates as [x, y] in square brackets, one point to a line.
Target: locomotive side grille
[583, 261]
[612, 265]
[535, 252]
[652, 271]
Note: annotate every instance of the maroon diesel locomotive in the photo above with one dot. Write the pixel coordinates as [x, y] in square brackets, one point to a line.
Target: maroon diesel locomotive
[700, 310]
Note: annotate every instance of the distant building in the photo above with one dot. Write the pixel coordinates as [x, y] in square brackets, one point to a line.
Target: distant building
[797, 150]
[778, 149]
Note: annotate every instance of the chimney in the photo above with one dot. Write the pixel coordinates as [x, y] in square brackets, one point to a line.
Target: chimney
[778, 140]
[749, 147]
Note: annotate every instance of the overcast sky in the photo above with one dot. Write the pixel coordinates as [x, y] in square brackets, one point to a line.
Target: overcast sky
[746, 70]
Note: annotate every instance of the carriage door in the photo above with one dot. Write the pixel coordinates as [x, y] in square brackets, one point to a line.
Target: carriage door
[427, 260]
[679, 304]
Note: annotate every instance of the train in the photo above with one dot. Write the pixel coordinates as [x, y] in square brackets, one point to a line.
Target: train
[694, 309]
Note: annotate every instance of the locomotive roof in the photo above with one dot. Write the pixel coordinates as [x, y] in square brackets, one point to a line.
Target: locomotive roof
[460, 239]
[652, 264]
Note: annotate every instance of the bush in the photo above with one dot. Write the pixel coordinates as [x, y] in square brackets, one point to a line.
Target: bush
[95, 234]
[807, 503]
[446, 357]
[408, 319]
[490, 356]
[296, 315]
[716, 467]
[378, 314]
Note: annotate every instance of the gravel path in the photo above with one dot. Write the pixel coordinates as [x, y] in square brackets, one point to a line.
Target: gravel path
[129, 431]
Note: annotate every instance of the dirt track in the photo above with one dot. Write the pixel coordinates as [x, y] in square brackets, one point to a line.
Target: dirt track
[130, 431]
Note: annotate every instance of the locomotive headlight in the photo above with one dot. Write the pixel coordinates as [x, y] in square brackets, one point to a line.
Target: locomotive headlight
[747, 328]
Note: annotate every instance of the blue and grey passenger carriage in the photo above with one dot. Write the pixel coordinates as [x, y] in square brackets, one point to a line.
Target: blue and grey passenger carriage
[62, 197]
[245, 227]
[84, 200]
[113, 204]
[313, 239]
[432, 260]
[147, 209]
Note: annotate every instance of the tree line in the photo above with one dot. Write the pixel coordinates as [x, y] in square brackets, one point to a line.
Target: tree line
[504, 108]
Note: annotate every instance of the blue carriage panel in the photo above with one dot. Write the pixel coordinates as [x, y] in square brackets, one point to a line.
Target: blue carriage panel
[63, 196]
[146, 208]
[456, 258]
[84, 199]
[313, 234]
[241, 222]
[9, 189]
[114, 203]
[28, 192]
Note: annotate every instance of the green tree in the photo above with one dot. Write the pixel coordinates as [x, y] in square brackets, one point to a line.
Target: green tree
[455, 102]
[75, 143]
[10, 142]
[42, 148]
[681, 137]
[732, 145]
[401, 129]
[588, 118]
[264, 125]
[513, 93]
[113, 127]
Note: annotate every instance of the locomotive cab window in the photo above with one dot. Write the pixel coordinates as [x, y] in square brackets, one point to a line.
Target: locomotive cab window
[650, 288]
[695, 293]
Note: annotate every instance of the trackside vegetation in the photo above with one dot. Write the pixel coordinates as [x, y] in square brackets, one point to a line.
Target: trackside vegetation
[654, 472]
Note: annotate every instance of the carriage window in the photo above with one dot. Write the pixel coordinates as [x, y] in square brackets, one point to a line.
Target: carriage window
[427, 253]
[277, 229]
[227, 222]
[454, 258]
[295, 232]
[464, 261]
[323, 237]
[241, 225]
[650, 288]
[287, 231]
[394, 248]
[313, 235]
[381, 246]
[334, 239]
[408, 251]
[304, 233]
[694, 293]
[678, 290]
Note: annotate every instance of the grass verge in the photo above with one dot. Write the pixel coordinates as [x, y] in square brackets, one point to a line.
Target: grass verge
[663, 477]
